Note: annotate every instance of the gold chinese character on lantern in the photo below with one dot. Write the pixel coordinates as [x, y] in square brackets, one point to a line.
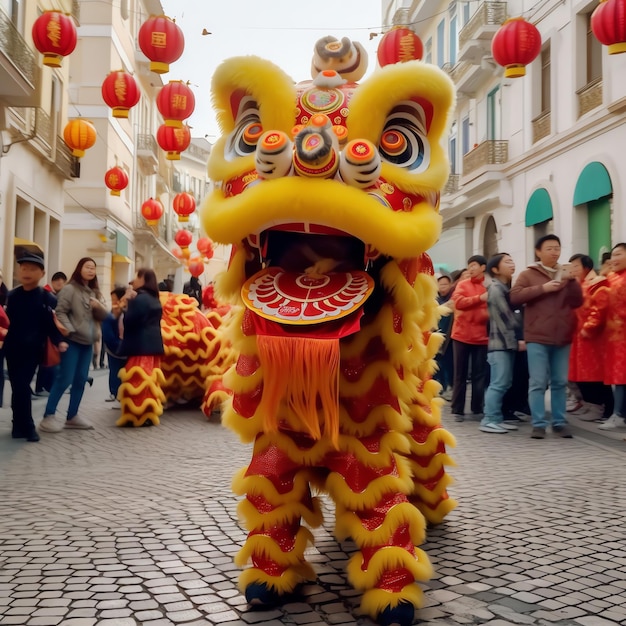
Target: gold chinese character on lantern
[120, 88]
[179, 101]
[53, 31]
[113, 179]
[159, 40]
[407, 47]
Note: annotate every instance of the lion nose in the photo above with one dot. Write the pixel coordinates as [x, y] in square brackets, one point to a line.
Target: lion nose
[315, 152]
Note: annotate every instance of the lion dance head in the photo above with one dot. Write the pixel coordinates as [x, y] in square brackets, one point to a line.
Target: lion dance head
[329, 192]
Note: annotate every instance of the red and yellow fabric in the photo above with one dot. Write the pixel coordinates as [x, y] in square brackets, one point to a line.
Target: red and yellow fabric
[615, 331]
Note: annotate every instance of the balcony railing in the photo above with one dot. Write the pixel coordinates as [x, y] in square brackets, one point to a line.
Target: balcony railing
[589, 96]
[487, 14]
[15, 48]
[542, 125]
[452, 186]
[197, 152]
[76, 10]
[148, 152]
[490, 152]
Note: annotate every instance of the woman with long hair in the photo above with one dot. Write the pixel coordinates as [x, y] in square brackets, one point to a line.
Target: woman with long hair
[140, 393]
[79, 309]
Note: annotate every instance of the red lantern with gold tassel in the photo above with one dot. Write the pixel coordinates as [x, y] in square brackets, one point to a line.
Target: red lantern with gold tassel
[176, 103]
[79, 135]
[183, 238]
[196, 267]
[116, 180]
[54, 35]
[516, 44]
[205, 247]
[152, 210]
[398, 45]
[608, 24]
[184, 204]
[173, 140]
[120, 92]
[162, 41]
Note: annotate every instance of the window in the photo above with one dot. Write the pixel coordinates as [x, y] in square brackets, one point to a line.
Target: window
[494, 118]
[545, 79]
[452, 151]
[453, 40]
[429, 50]
[594, 54]
[56, 106]
[466, 13]
[465, 135]
[12, 9]
[441, 43]
[124, 9]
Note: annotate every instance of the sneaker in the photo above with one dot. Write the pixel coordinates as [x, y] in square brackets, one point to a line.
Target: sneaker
[478, 416]
[508, 426]
[492, 427]
[51, 424]
[111, 398]
[615, 421]
[573, 405]
[116, 405]
[78, 423]
[458, 417]
[538, 433]
[447, 395]
[562, 430]
[42, 394]
[32, 436]
[591, 414]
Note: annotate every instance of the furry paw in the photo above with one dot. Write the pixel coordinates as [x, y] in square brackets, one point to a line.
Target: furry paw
[260, 595]
[400, 615]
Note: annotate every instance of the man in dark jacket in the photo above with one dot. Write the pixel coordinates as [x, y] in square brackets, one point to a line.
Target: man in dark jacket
[550, 294]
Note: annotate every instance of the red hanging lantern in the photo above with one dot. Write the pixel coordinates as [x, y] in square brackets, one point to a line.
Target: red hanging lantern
[184, 204]
[116, 180]
[54, 35]
[120, 92]
[152, 210]
[608, 24]
[176, 103]
[79, 135]
[183, 238]
[516, 44]
[196, 267]
[173, 140]
[205, 247]
[178, 253]
[162, 41]
[398, 45]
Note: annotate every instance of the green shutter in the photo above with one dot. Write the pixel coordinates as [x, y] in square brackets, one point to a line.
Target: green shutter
[593, 183]
[539, 207]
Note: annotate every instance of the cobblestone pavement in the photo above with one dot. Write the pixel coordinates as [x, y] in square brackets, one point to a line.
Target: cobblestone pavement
[137, 527]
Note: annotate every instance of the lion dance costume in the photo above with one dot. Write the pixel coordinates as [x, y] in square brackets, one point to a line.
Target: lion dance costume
[329, 192]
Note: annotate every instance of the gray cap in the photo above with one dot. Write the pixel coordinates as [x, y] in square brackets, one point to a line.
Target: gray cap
[31, 257]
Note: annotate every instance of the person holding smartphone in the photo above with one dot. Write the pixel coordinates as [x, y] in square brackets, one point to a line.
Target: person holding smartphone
[550, 294]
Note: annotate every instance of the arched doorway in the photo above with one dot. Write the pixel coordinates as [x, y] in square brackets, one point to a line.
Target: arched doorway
[594, 189]
[490, 238]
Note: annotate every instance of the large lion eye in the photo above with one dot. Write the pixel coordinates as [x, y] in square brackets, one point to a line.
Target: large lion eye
[403, 141]
[243, 140]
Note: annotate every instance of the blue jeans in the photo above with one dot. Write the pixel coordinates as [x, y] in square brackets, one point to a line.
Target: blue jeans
[501, 362]
[547, 366]
[73, 370]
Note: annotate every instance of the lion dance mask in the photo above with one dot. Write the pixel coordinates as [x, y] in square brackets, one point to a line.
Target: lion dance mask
[329, 192]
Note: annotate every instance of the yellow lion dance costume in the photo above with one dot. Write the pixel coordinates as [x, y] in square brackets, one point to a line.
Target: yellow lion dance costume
[329, 192]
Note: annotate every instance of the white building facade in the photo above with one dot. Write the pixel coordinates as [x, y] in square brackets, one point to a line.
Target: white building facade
[529, 155]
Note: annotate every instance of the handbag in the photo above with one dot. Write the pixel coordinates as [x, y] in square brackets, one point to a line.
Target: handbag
[51, 356]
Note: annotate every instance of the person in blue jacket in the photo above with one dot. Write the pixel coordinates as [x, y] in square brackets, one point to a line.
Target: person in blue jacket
[112, 339]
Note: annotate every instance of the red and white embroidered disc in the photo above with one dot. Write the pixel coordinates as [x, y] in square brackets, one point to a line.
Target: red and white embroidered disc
[294, 298]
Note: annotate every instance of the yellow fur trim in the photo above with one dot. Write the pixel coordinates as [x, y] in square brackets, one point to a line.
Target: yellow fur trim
[246, 428]
[435, 465]
[348, 524]
[283, 584]
[375, 601]
[253, 520]
[228, 284]
[437, 515]
[266, 546]
[377, 488]
[384, 90]
[432, 496]
[263, 486]
[387, 558]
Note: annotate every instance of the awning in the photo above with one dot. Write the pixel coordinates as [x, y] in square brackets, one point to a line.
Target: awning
[120, 258]
[593, 183]
[539, 207]
[24, 246]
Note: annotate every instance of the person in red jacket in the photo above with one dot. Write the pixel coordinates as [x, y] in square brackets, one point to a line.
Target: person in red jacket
[614, 337]
[470, 338]
[550, 294]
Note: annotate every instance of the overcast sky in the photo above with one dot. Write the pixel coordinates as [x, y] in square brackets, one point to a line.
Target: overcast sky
[282, 31]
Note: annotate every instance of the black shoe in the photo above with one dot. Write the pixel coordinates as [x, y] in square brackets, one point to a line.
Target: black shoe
[458, 417]
[32, 436]
[18, 434]
[90, 381]
[538, 433]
